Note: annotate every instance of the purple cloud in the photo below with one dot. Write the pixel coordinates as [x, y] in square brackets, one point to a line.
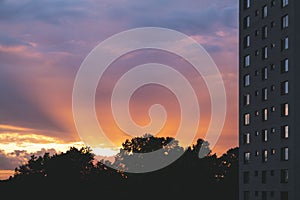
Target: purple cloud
[10, 161]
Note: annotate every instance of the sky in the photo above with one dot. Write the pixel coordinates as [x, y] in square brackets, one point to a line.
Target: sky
[43, 43]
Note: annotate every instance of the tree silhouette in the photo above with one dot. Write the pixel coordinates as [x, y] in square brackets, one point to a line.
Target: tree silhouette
[132, 154]
[76, 173]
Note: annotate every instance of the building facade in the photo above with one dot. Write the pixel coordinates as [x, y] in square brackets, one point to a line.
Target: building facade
[269, 99]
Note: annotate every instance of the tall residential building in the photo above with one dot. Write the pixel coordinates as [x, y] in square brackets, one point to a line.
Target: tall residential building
[269, 105]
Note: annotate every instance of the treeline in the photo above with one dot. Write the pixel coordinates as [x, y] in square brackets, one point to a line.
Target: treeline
[76, 173]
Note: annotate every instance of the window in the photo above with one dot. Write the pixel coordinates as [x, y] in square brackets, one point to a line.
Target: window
[256, 153]
[285, 65]
[272, 194]
[264, 32]
[273, 45]
[284, 176]
[273, 24]
[265, 73]
[264, 195]
[256, 12]
[265, 94]
[285, 3]
[246, 195]
[273, 109]
[285, 109]
[285, 153]
[265, 156]
[273, 151]
[284, 88]
[273, 3]
[247, 4]
[284, 196]
[247, 60]
[272, 172]
[264, 177]
[285, 43]
[273, 130]
[246, 157]
[265, 135]
[265, 114]
[246, 177]
[285, 132]
[247, 41]
[246, 119]
[265, 52]
[247, 99]
[273, 66]
[256, 133]
[246, 22]
[247, 138]
[256, 113]
[246, 80]
[285, 21]
[273, 87]
[265, 11]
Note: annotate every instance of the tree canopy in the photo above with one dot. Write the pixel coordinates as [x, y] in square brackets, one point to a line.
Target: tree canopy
[188, 176]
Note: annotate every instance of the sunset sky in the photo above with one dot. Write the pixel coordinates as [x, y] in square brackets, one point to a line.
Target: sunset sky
[43, 43]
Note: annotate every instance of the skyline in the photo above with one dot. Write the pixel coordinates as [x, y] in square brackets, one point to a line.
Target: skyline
[43, 45]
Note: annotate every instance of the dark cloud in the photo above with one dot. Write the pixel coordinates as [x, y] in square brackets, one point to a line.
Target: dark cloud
[9, 161]
[49, 11]
[229, 16]
[212, 48]
[8, 41]
[190, 17]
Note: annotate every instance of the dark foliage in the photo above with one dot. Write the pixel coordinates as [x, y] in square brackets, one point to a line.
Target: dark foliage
[75, 174]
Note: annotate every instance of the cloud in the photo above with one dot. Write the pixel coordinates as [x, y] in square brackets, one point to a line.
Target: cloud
[8, 41]
[52, 12]
[17, 138]
[187, 16]
[31, 140]
[42, 44]
[11, 160]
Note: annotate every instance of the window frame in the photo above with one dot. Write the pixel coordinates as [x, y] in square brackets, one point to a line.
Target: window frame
[247, 60]
[285, 87]
[247, 157]
[265, 94]
[265, 114]
[284, 3]
[285, 21]
[284, 176]
[285, 65]
[247, 80]
[264, 32]
[265, 52]
[264, 11]
[247, 117]
[247, 4]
